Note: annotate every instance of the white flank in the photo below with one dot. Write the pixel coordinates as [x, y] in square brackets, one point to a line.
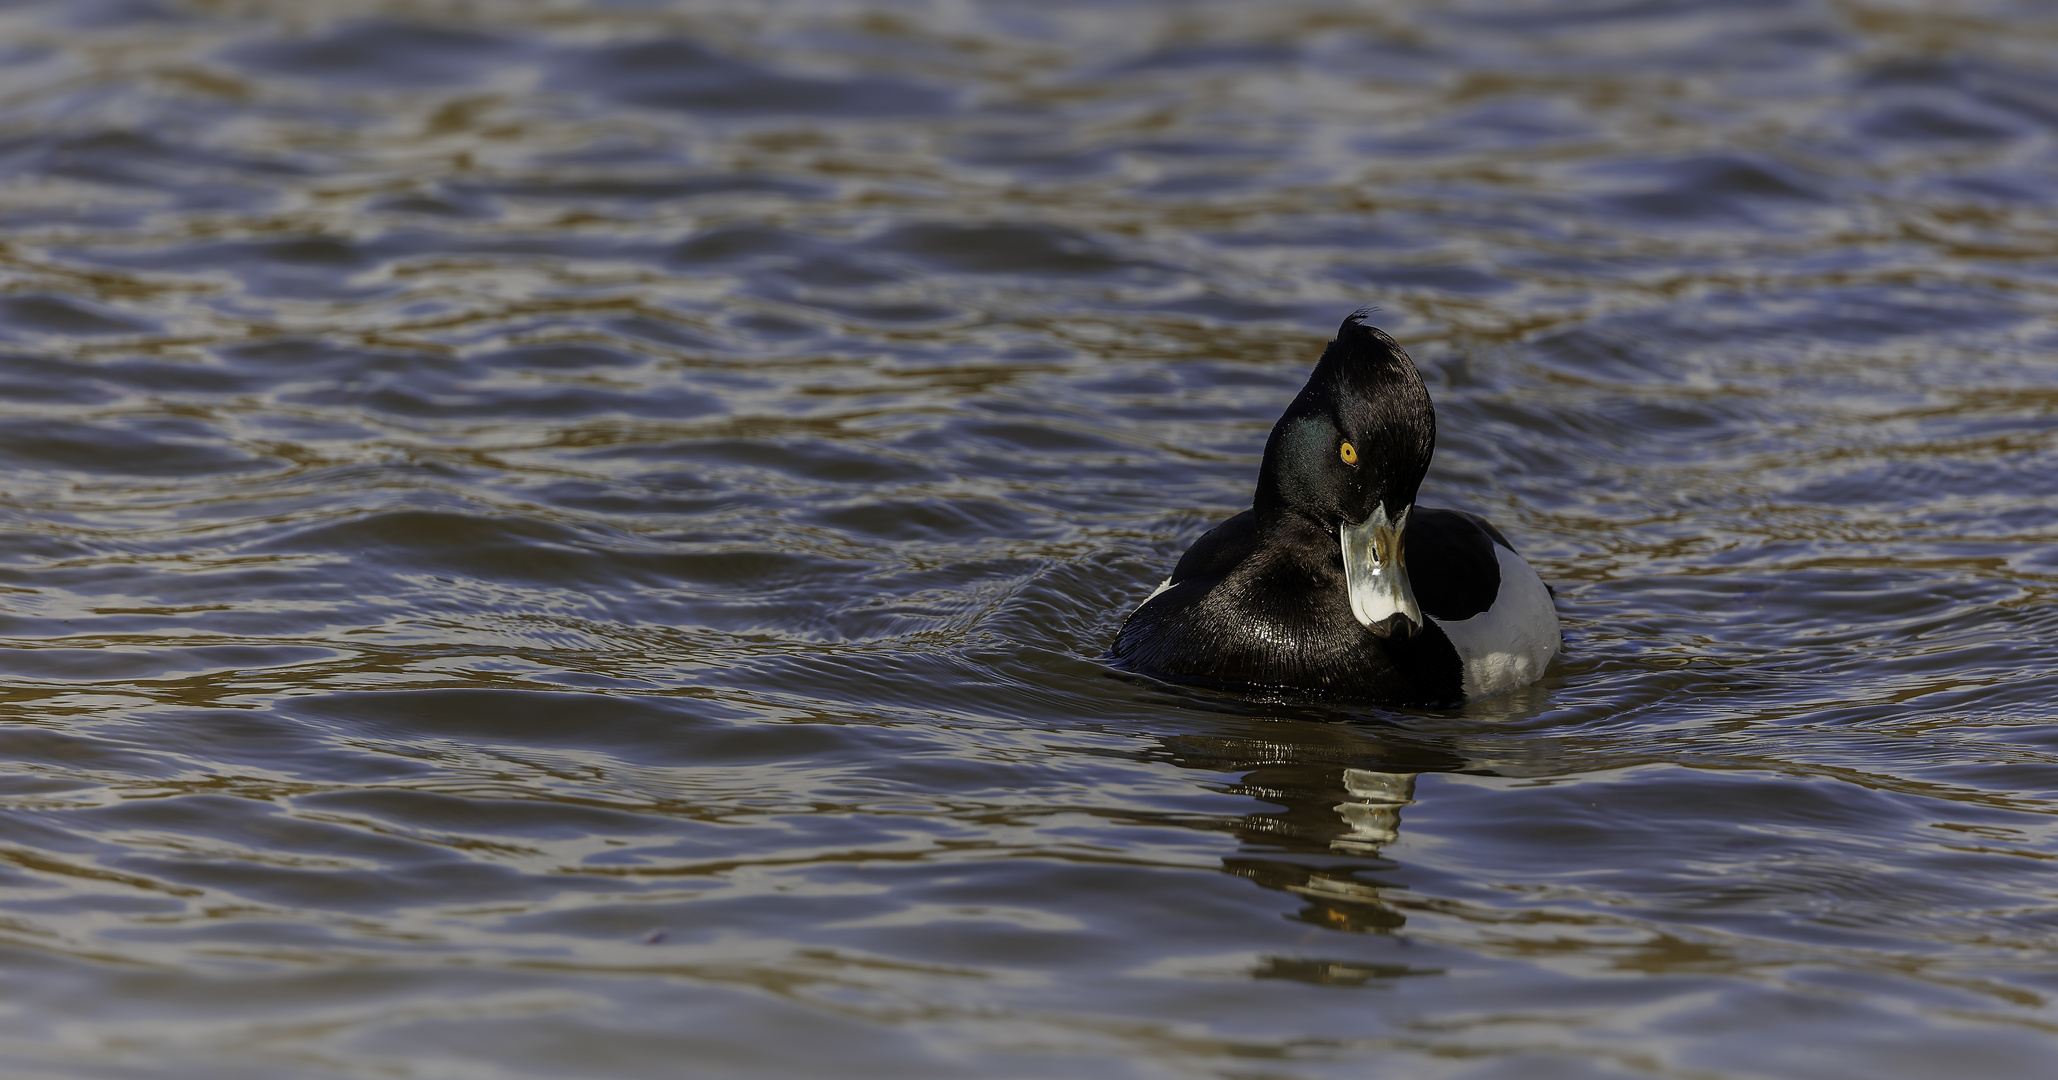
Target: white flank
[1162, 586]
[1509, 644]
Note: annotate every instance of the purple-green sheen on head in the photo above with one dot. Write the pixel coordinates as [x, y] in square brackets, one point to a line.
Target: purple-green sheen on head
[1358, 437]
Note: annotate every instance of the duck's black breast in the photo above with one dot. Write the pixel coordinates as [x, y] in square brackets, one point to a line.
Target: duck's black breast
[1252, 607]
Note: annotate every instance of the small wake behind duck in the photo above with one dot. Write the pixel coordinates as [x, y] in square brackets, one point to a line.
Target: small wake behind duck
[1335, 581]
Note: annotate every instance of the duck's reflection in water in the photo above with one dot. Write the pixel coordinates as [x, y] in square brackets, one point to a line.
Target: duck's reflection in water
[1349, 896]
[1338, 793]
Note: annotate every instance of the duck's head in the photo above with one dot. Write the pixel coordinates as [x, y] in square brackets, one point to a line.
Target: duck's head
[1348, 455]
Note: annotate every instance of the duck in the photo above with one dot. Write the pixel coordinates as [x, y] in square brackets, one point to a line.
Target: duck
[1335, 583]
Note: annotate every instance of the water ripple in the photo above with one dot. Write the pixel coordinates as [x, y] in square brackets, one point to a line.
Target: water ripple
[574, 538]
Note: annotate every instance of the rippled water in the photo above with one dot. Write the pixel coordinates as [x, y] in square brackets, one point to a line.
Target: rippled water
[549, 540]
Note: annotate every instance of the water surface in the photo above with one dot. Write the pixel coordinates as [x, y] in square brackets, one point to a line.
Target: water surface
[576, 540]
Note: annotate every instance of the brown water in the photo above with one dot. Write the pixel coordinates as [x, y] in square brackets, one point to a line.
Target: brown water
[575, 540]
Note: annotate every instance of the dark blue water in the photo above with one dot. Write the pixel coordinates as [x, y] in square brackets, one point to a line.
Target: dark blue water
[557, 540]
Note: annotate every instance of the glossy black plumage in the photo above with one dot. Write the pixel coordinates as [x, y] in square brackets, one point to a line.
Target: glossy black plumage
[1451, 560]
[1260, 600]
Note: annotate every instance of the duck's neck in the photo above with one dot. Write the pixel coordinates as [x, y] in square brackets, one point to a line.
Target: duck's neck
[1284, 529]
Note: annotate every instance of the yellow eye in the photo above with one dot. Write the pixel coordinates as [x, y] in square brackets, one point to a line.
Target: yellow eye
[1350, 454]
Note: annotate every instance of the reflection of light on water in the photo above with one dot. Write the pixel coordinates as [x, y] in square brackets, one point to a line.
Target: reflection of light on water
[1374, 815]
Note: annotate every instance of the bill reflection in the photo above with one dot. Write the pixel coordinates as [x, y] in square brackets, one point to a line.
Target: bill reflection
[1373, 813]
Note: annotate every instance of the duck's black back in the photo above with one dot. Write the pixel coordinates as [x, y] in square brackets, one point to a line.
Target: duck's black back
[1267, 607]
